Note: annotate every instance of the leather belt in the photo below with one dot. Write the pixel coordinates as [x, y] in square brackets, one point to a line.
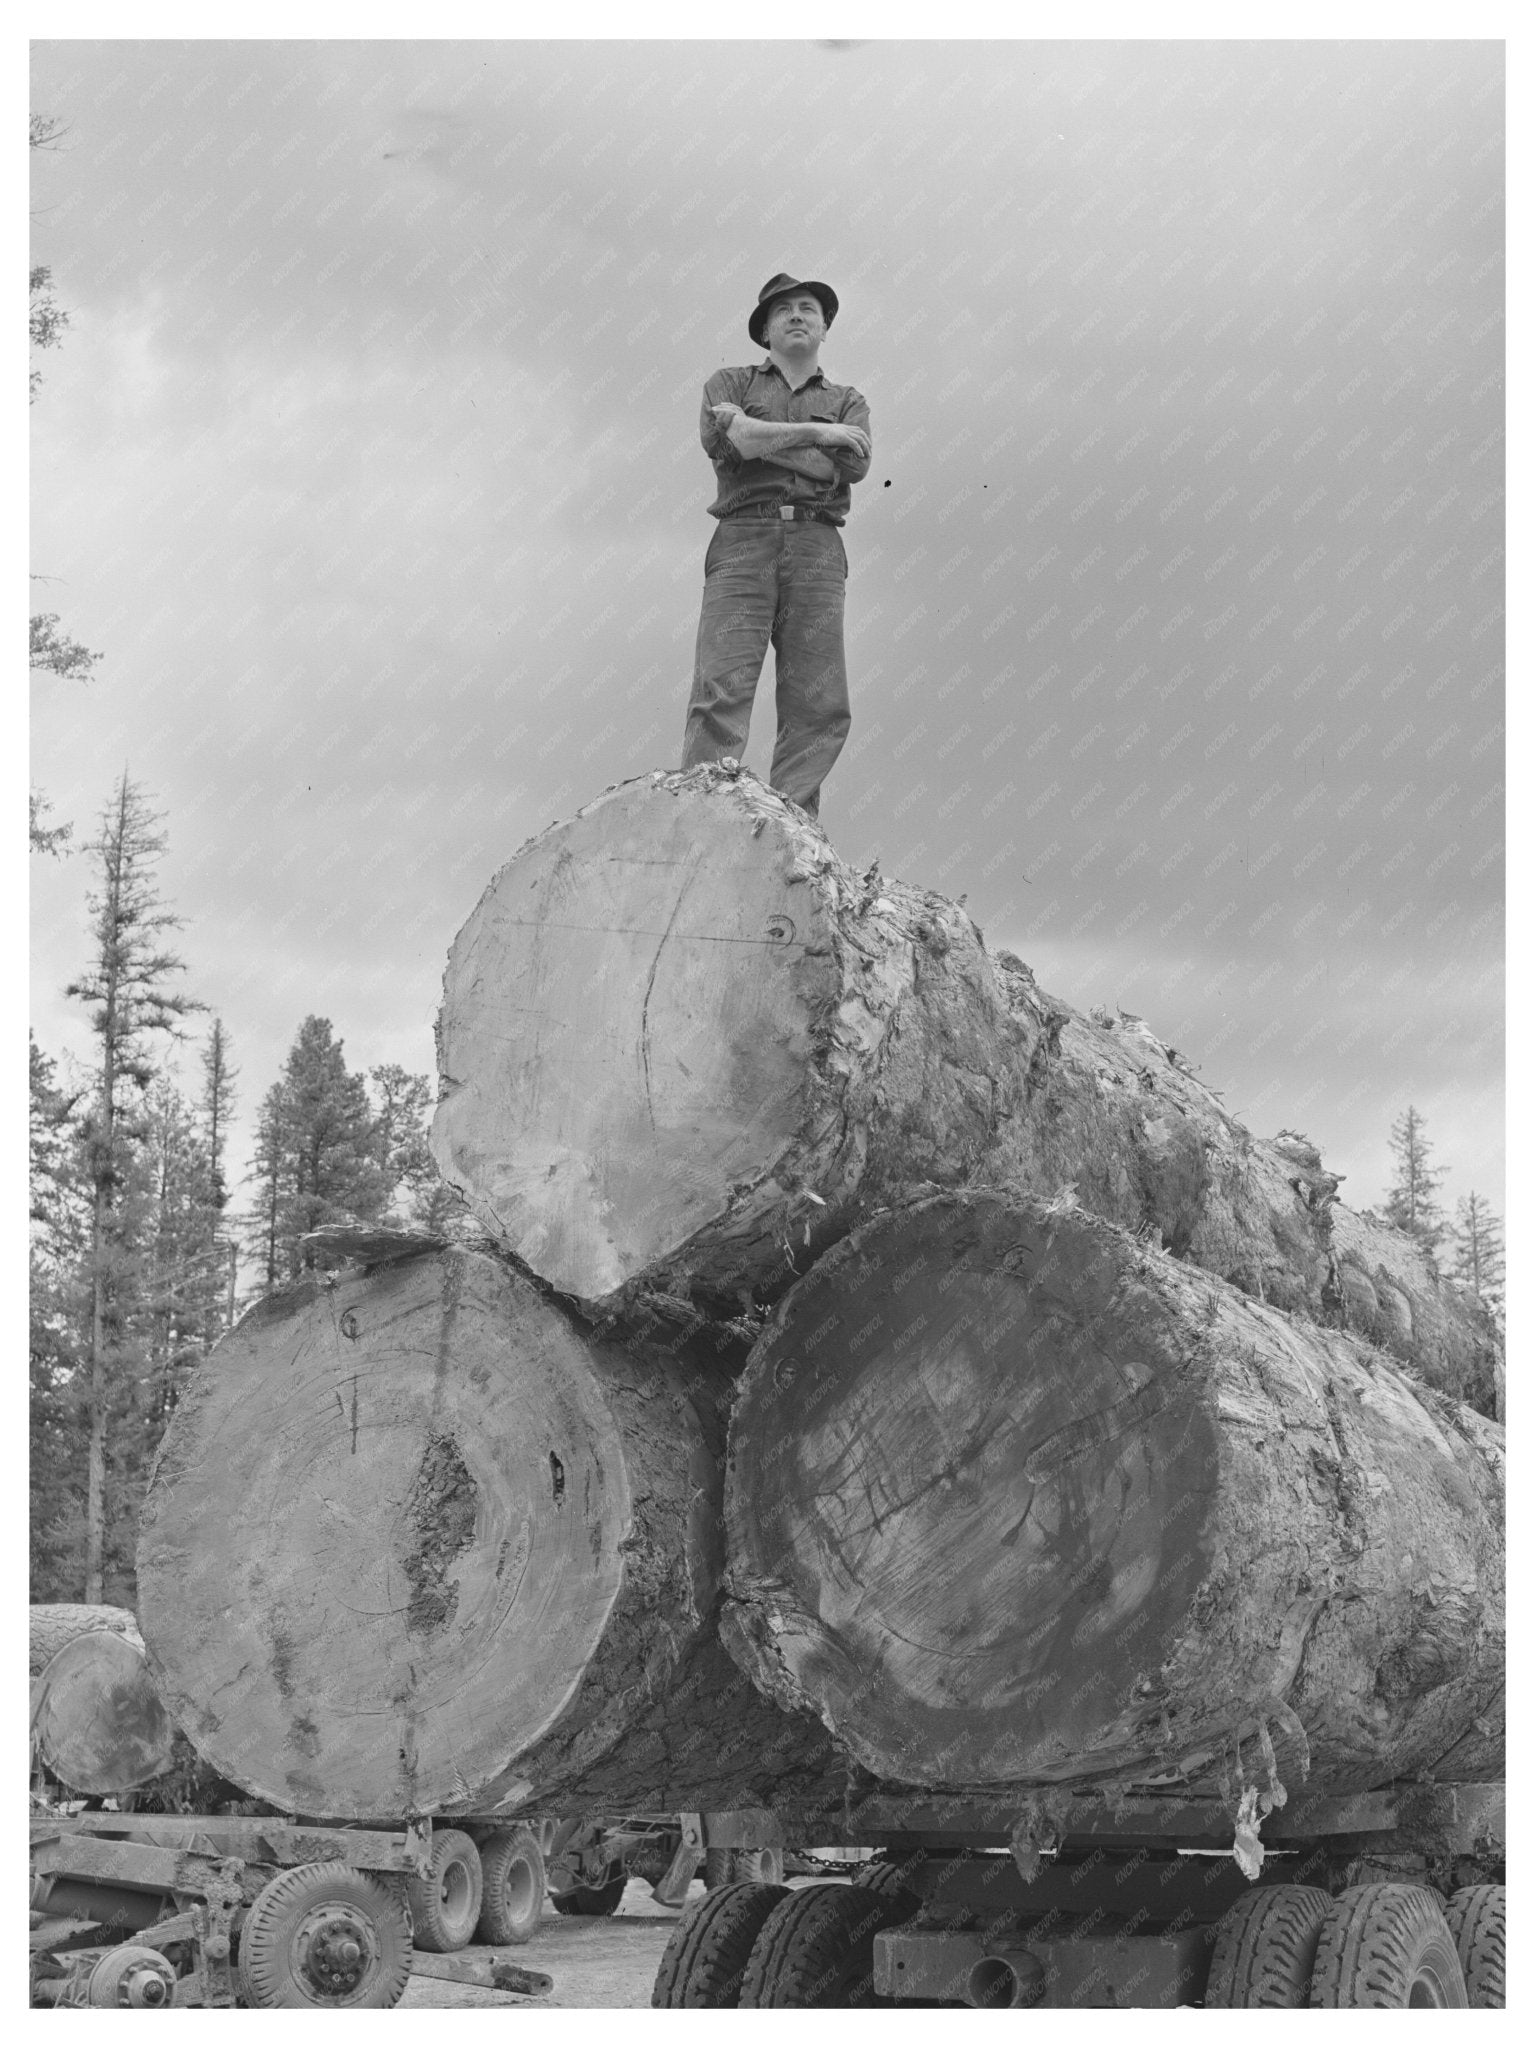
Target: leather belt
[784, 512]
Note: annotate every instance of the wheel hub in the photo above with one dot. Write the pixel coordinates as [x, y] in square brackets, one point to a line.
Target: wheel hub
[334, 1949]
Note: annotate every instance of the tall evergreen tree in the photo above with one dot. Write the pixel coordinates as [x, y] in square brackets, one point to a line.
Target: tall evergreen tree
[216, 1108]
[58, 1233]
[183, 1263]
[1479, 1249]
[128, 996]
[270, 1170]
[317, 1153]
[1411, 1202]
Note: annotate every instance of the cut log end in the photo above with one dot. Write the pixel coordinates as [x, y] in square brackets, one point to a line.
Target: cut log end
[622, 1079]
[384, 1539]
[1012, 1498]
[97, 1719]
[991, 1498]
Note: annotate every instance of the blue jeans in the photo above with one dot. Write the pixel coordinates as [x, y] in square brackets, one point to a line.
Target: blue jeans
[772, 581]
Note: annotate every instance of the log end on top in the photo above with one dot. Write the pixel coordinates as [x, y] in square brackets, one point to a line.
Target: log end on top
[630, 1029]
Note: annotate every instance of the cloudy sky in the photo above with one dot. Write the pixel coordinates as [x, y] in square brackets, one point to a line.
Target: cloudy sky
[1175, 613]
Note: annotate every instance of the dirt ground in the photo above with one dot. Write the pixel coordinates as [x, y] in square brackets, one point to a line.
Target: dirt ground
[608, 1962]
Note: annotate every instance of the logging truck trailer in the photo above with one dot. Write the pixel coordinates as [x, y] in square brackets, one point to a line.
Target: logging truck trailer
[1390, 1898]
[215, 1910]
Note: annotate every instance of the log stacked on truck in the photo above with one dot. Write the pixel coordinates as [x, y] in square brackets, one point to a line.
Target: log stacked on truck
[683, 1047]
[418, 1541]
[98, 1724]
[1014, 1498]
[1071, 1466]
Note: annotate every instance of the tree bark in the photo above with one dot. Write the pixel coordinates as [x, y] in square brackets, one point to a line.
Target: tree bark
[1013, 1498]
[683, 1047]
[97, 1719]
[418, 1542]
[50, 1625]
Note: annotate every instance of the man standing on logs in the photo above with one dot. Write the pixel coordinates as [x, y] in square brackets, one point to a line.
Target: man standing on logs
[787, 446]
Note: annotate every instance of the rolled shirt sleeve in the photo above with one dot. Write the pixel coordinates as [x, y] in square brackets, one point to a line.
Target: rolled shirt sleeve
[854, 412]
[723, 388]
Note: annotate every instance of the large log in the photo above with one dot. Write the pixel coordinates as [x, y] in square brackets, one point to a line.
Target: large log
[1013, 1497]
[418, 1542]
[683, 1047]
[97, 1720]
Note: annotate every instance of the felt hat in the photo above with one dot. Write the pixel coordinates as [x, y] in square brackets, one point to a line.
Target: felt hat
[783, 287]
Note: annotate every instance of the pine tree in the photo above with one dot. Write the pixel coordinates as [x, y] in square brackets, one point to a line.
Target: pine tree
[1479, 1250]
[58, 1235]
[269, 1168]
[1411, 1202]
[183, 1276]
[403, 1105]
[130, 1003]
[317, 1154]
[217, 1111]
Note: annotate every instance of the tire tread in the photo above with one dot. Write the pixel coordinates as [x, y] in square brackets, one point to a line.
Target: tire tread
[1265, 1948]
[805, 1941]
[1365, 1946]
[434, 1931]
[265, 1980]
[1477, 1921]
[705, 1961]
[497, 1927]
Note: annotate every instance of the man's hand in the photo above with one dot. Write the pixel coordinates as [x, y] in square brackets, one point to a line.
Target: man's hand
[845, 437]
[727, 414]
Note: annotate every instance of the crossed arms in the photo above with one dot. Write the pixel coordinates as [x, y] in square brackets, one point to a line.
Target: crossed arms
[799, 445]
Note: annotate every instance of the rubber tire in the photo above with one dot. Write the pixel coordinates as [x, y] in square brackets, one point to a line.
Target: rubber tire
[1265, 1947]
[1476, 1918]
[719, 1868]
[1381, 1944]
[591, 1902]
[512, 1902]
[445, 1925]
[705, 1961]
[883, 1877]
[816, 1949]
[266, 1973]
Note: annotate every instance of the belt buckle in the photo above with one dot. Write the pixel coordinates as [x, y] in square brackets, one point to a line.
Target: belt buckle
[786, 511]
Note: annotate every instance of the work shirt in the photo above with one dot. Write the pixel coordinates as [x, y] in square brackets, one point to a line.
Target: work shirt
[762, 392]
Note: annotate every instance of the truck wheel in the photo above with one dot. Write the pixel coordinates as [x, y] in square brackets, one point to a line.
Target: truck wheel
[1386, 1945]
[1265, 1946]
[591, 1901]
[134, 1978]
[325, 1935]
[1475, 1917]
[711, 1945]
[512, 1864]
[445, 1905]
[884, 1877]
[816, 1948]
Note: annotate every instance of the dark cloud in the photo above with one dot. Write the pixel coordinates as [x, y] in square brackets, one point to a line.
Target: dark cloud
[1176, 606]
